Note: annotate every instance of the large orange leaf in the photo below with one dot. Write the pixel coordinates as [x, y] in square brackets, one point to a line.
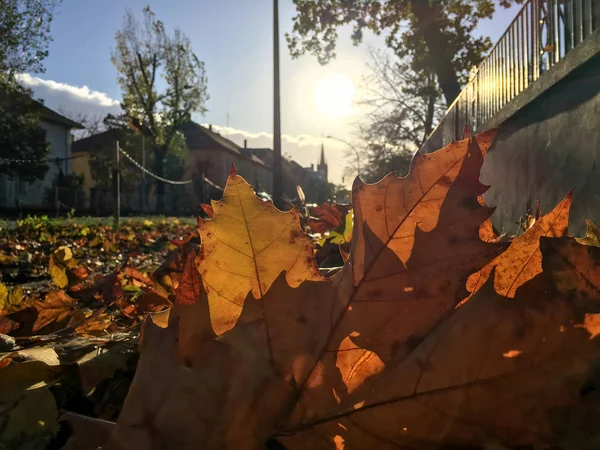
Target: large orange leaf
[297, 355]
[416, 241]
[499, 372]
[245, 247]
[523, 260]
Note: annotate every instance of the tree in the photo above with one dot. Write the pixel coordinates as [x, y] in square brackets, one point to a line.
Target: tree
[93, 124]
[23, 146]
[432, 34]
[143, 53]
[24, 35]
[24, 39]
[403, 107]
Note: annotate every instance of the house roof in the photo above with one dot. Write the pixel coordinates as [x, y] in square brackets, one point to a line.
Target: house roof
[50, 115]
[96, 141]
[198, 137]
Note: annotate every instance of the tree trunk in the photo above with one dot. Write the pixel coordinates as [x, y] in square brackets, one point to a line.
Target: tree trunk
[159, 166]
[427, 26]
[429, 116]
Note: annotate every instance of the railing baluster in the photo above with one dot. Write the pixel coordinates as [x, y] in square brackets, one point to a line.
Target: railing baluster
[525, 23]
[519, 43]
[535, 46]
[588, 18]
[559, 31]
[569, 26]
[579, 23]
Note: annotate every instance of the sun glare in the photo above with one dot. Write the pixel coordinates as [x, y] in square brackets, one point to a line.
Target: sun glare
[333, 95]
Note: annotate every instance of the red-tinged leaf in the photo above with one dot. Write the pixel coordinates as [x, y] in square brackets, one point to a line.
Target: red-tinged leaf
[57, 307]
[189, 287]
[208, 210]
[152, 301]
[327, 217]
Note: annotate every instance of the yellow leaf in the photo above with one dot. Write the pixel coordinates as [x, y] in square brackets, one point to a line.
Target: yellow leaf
[58, 273]
[523, 260]
[245, 248]
[592, 236]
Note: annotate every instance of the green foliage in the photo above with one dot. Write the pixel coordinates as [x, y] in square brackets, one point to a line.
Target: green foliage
[24, 35]
[435, 36]
[21, 137]
[144, 52]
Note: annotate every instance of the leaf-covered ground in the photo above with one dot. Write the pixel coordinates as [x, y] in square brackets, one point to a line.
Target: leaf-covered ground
[73, 295]
[436, 333]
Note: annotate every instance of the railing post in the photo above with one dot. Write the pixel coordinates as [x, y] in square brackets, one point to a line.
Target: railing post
[116, 185]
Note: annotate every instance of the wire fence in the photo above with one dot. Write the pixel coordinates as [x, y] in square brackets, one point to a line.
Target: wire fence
[139, 196]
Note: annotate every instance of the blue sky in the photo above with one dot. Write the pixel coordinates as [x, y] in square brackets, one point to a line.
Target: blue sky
[233, 38]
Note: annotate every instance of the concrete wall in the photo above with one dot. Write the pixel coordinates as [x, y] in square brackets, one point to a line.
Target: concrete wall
[547, 148]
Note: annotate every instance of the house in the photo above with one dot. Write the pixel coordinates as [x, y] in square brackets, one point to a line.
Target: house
[15, 193]
[211, 154]
[208, 161]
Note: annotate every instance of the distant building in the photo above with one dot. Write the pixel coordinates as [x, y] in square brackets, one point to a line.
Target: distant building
[318, 190]
[209, 155]
[14, 192]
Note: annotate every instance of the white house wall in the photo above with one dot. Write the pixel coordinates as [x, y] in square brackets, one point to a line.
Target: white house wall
[13, 191]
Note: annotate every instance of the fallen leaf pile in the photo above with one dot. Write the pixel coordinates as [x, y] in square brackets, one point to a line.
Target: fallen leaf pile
[436, 332]
[68, 334]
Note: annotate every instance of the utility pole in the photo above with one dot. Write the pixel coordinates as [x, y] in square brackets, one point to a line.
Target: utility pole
[143, 202]
[277, 172]
[116, 185]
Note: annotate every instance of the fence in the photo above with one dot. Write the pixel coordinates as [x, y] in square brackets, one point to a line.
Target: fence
[182, 197]
[542, 33]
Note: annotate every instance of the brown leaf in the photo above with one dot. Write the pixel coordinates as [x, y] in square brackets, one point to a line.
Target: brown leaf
[189, 287]
[152, 301]
[592, 235]
[57, 307]
[295, 357]
[208, 210]
[327, 217]
[523, 260]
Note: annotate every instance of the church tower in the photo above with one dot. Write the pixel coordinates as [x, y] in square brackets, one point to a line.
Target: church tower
[322, 166]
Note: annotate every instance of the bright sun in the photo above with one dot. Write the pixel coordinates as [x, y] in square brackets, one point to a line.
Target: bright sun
[333, 95]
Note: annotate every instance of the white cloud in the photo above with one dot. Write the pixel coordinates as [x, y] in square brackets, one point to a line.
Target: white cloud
[80, 93]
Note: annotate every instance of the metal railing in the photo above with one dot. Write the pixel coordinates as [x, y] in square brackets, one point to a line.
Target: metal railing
[542, 33]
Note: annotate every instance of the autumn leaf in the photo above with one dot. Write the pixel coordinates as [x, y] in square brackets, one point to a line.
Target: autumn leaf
[208, 210]
[327, 217]
[189, 287]
[296, 355]
[592, 235]
[57, 307]
[523, 255]
[506, 371]
[10, 297]
[60, 261]
[246, 246]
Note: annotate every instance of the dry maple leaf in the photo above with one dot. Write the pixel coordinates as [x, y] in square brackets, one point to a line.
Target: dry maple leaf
[297, 357]
[245, 247]
[531, 381]
[592, 235]
[327, 217]
[523, 260]
[57, 307]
